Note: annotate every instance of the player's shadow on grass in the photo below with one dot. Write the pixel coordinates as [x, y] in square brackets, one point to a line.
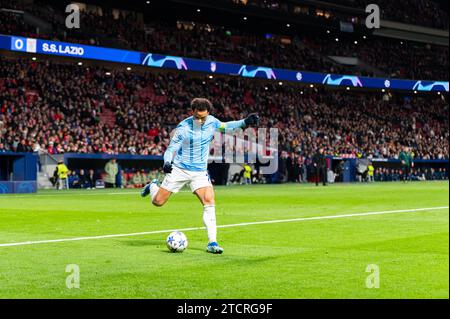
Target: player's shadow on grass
[142, 243]
[234, 259]
[155, 243]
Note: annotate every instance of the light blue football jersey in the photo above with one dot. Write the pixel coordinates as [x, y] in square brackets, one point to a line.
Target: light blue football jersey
[191, 141]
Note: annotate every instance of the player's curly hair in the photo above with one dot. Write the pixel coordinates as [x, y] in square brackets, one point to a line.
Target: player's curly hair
[201, 104]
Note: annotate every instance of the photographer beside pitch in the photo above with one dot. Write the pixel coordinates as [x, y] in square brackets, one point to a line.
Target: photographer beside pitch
[186, 162]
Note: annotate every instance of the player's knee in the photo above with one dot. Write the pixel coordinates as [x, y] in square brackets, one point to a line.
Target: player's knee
[158, 202]
[209, 200]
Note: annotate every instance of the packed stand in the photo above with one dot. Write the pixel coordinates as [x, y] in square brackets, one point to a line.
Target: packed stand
[393, 57]
[303, 52]
[59, 108]
[426, 13]
[13, 23]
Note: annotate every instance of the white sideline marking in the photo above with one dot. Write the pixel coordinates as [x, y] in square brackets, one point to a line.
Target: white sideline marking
[97, 192]
[224, 226]
[64, 193]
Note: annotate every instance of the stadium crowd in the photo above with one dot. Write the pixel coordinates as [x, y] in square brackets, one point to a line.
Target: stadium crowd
[59, 108]
[399, 59]
[396, 58]
[417, 174]
[426, 13]
[129, 178]
[12, 23]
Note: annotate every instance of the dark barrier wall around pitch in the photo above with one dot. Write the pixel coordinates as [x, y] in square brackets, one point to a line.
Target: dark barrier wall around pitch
[18, 173]
[98, 161]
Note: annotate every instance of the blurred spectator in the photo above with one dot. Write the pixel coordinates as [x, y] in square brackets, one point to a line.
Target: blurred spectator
[91, 179]
[138, 180]
[84, 180]
[417, 174]
[111, 169]
[74, 180]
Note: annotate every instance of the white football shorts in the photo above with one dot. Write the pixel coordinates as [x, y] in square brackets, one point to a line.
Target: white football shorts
[175, 181]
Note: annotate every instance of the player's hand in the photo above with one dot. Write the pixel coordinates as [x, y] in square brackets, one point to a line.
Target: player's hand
[252, 119]
[167, 168]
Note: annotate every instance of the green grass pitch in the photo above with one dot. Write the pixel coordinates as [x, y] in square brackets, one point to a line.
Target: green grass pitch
[311, 258]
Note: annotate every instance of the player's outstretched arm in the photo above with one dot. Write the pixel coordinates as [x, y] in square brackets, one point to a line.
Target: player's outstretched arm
[252, 119]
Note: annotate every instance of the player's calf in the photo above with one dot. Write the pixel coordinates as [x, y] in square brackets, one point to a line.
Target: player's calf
[160, 197]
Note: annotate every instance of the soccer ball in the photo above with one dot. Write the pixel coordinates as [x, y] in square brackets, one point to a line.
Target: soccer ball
[177, 242]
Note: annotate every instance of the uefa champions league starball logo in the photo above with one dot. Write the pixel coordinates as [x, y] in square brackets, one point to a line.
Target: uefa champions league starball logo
[160, 61]
[253, 72]
[331, 79]
[387, 83]
[431, 86]
[299, 76]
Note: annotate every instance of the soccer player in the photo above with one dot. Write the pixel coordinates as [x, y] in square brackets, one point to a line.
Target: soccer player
[186, 162]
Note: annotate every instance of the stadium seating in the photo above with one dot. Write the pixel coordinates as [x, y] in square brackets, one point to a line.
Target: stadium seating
[58, 108]
[426, 13]
[305, 51]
